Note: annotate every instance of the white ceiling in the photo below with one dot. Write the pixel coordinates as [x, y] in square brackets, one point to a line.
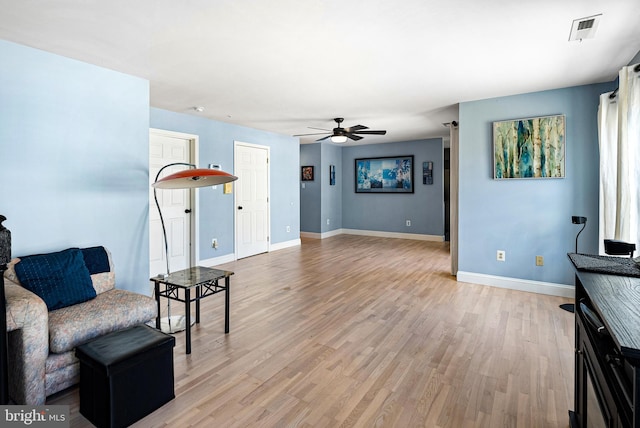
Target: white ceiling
[285, 65]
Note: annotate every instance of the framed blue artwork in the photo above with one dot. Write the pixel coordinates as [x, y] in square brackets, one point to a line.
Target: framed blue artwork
[384, 175]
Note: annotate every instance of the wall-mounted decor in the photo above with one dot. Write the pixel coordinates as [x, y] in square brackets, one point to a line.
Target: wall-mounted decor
[332, 175]
[427, 172]
[529, 148]
[307, 173]
[384, 175]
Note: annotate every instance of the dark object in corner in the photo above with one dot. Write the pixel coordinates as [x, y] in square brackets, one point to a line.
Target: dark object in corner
[569, 307]
[5, 257]
[615, 247]
[5, 242]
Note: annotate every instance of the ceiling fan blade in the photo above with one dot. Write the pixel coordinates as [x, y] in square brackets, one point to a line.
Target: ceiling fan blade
[320, 129]
[355, 128]
[372, 132]
[323, 138]
[304, 135]
[354, 137]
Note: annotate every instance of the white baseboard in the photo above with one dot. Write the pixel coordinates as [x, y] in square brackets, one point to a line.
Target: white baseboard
[314, 235]
[285, 244]
[376, 233]
[228, 258]
[539, 287]
[232, 257]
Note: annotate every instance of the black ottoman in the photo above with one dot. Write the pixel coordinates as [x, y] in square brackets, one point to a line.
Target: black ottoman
[125, 375]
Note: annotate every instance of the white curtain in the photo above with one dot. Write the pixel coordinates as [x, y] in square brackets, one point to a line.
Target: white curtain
[619, 139]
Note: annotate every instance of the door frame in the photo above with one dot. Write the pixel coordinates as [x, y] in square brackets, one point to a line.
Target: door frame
[235, 194]
[194, 224]
[454, 192]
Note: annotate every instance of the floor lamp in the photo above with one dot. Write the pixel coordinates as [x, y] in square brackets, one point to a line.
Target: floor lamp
[579, 220]
[570, 307]
[185, 179]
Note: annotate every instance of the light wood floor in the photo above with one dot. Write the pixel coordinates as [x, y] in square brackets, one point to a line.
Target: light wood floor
[368, 332]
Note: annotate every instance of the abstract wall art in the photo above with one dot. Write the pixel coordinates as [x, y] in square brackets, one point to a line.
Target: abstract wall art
[384, 175]
[529, 148]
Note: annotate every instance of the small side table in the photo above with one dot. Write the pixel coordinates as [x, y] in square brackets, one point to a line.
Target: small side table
[205, 281]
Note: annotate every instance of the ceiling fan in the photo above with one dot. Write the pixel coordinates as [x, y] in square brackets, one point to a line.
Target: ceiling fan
[340, 134]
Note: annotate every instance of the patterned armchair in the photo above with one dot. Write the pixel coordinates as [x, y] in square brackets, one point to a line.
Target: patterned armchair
[42, 342]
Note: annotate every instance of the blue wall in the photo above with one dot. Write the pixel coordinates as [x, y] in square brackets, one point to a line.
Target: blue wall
[74, 159]
[331, 197]
[532, 217]
[216, 140]
[311, 194]
[372, 212]
[74, 168]
[388, 212]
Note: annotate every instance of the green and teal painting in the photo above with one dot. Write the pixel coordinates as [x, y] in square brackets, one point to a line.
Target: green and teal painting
[529, 148]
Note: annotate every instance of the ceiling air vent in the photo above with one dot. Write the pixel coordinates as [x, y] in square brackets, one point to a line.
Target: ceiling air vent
[584, 28]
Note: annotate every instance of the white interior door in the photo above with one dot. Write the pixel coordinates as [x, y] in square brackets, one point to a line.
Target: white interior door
[164, 149]
[252, 199]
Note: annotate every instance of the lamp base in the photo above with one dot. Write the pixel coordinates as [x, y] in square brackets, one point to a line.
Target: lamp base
[178, 323]
[569, 307]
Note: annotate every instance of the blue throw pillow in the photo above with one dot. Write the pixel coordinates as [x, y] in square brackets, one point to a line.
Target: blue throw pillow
[96, 259]
[60, 279]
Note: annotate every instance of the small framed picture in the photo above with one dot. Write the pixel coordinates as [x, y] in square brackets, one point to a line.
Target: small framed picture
[332, 175]
[307, 173]
[427, 172]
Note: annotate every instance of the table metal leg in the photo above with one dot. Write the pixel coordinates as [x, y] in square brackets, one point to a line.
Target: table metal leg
[198, 304]
[226, 304]
[187, 314]
[156, 291]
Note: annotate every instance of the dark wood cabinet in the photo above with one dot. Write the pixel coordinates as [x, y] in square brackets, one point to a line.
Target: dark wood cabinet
[607, 359]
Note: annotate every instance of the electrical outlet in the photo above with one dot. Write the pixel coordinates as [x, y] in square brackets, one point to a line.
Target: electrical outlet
[501, 255]
[288, 228]
[408, 223]
[539, 261]
[328, 221]
[214, 243]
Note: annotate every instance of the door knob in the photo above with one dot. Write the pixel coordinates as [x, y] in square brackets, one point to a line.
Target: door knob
[240, 207]
[187, 211]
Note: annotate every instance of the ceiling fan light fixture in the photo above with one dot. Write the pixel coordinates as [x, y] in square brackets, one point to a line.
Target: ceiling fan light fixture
[338, 138]
[342, 135]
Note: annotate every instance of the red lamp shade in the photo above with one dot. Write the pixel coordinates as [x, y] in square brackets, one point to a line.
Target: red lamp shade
[190, 178]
